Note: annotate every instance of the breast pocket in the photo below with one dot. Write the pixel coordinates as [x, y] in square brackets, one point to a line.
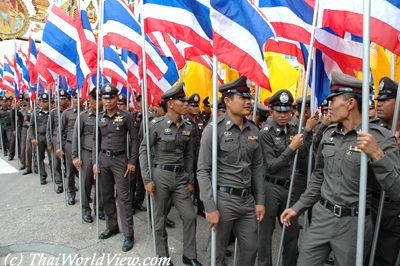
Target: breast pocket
[329, 157]
[167, 143]
[230, 150]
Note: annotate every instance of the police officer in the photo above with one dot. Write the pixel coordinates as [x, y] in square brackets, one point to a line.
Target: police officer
[41, 124]
[17, 130]
[5, 119]
[279, 141]
[172, 172]
[24, 108]
[261, 115]
[221, 108]
[389, 232]
[67, 123]
[206, 114]
[10, 133]
[115, 167]
[122, 102]
[87, 123]
[52, 132]
[240, 175]
[334, 184]
[197, 129]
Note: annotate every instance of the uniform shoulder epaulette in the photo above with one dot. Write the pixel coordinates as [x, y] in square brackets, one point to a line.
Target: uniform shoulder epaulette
[379, 122]
[186, 121]
[330, 128]
[157, 119]
[381, 129]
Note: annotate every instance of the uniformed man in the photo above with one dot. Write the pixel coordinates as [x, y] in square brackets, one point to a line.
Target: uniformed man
[261, 115]
[221, 108]
[206, 114]
[17, 130]
[87, 128]
[172, 172]
[197, 129]
[372, 110]
[41, 122]
[52, 135]
[279, 141]
[122, 101]
[67, 124]
[11, 136]
[240, 175]
[24, 132]
[389, 232]
[334, 184]
[5, 120]
[115, 167]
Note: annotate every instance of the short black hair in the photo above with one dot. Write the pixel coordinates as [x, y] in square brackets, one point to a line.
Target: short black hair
[163, 105]
[355, 96]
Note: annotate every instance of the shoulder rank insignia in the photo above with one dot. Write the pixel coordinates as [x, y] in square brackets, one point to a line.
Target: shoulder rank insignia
[186, 133]
[118, 118]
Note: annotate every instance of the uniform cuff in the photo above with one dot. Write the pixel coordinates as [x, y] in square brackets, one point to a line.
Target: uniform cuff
[209, 205]
[288, 152]
[260, 199]
[298, 207]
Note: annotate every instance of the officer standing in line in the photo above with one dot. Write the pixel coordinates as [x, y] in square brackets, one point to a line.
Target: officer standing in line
[389, 232]
[115, 167]
[5, 119]
[197, 130]
[31, 162]
[240, 176]
[10, 135]
[206, 114]
[17, 134]
[24, 108]
[279, 142]
[261, 115]
[334, 184]
[122, 102]
[52, 132]
[172, 173]
[41, 123]
[85, 165]
[68, 119]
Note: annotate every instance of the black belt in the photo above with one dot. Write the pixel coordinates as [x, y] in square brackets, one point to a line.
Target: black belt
[243, 193]
[377, 196]
[340, 211]
[170, 167]
[69, 141]
[112, 153]
[280, 182]
[26, 126]
[86, 149]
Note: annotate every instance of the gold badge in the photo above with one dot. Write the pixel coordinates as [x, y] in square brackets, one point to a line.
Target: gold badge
[186, 133]
[252, 137]
[348, 153]
[119, 118]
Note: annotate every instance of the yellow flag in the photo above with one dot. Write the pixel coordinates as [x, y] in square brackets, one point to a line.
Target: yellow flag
[228, 74]
[198, 79]
[282, 75]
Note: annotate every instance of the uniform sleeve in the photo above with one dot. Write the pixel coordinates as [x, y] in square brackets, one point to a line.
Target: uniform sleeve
[204, 166]
[63, 129]
[94, 150]
[188, 159]
[272, 161]
[12, 117]
[133, 140]
[75, 154]
[305, 149]
[387, 169]
[313, 191]
[258, 177]
[32, 126]
[144, 163]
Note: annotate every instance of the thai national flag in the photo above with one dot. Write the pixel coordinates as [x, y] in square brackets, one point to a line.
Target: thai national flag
[184, 20]
[1, 72]
[23, 70]
[9, 73]
[292, 20]
[347, 16]
[113, 67]
[58, 50]
[240, 32]
[130, 61]
[123, 30]
[32, 58]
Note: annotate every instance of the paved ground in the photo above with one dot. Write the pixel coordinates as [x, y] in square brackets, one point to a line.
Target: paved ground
[36, 227]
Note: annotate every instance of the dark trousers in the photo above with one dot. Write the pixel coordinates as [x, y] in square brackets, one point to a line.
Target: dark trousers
[56, 164]
[42, 148]
[87, 182]
[112, 171]
[4, 136]
[71, 170]
[138, 192]
[22, 140]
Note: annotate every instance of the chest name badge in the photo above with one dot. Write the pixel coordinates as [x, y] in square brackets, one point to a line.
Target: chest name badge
[186, 133]
[227, 133]
[167, 131]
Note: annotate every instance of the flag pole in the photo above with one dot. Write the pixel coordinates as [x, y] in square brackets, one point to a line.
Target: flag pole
[99, 60]
[256, 101]
[35, 122]
[299, 131]
[392, 65]
[59, 135]
[51, 163]
[78, 120]
[145, 118]
[214, 155]
[16, 130]
[1, 139]
[364, 127]
[313, 109]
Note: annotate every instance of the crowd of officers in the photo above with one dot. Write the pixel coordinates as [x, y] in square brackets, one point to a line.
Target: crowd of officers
[255, 162]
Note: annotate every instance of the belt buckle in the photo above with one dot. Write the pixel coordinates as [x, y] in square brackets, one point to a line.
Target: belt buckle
[245, 193]
[337, 210]
[108, 153]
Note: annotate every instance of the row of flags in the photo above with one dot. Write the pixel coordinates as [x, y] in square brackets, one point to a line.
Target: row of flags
[237, 32]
